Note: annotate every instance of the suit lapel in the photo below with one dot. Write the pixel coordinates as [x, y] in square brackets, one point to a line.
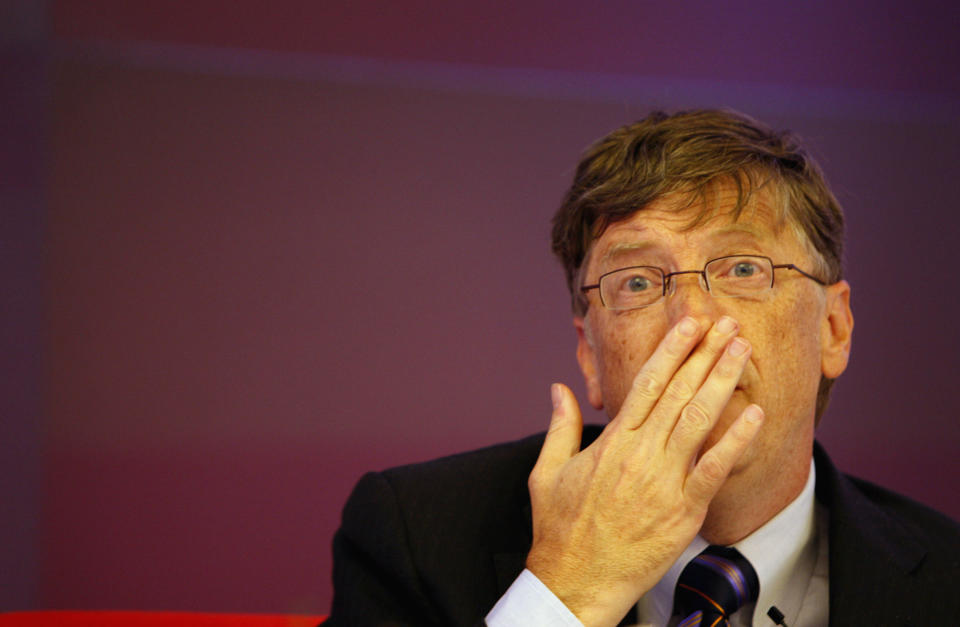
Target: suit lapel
[871, 553]
[511, 560]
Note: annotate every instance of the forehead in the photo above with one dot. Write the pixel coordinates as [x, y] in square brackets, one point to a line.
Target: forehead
[673, 224]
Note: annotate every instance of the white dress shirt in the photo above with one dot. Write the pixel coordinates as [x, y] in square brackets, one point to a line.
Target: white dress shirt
[789, 553]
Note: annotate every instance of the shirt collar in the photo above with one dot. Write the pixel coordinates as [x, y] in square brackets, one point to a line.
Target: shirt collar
[783, 552]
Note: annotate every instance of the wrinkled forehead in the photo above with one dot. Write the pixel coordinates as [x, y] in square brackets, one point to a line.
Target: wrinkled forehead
[721, 213]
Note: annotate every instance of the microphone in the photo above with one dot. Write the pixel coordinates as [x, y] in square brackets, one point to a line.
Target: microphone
[776, 616]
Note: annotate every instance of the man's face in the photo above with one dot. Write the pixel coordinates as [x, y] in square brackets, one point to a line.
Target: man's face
[793, 329]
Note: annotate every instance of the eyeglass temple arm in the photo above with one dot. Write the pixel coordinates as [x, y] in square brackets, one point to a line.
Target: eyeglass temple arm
[806, 274]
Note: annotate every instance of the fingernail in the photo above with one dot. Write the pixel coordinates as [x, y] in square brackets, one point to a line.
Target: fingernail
[753, 413]
[738, 347]
[726, 324]
[688, 326]
[556, 396]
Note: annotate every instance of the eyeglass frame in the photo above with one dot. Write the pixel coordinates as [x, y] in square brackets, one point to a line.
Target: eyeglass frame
[703, 274]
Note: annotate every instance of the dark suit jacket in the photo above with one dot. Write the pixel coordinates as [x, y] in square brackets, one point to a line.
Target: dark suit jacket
[438, 543]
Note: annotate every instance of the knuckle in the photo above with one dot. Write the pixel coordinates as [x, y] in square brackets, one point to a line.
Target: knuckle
[646, 385]
[711, 467]
[694, 418]
[675, 349]
[537, 479]
[556, 427]
[602, 450]
[678, 390]
[629, 468]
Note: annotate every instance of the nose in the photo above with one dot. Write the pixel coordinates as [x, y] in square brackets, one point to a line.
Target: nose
[687, 295]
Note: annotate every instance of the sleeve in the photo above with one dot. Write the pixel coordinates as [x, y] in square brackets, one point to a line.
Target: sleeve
[529, 603]
[374, 579]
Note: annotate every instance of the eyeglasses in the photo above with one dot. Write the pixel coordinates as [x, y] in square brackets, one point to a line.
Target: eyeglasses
[736, 276]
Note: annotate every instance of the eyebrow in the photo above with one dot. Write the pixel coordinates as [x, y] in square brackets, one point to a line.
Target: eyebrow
[729, 231]
[622, 248]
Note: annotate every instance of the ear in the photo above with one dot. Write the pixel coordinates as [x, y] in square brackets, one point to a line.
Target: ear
[836, 331]
[587, 358]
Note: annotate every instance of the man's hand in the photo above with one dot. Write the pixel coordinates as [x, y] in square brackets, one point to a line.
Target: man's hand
[610, 520]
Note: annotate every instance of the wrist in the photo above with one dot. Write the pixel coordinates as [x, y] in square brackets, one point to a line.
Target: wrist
[596, 601]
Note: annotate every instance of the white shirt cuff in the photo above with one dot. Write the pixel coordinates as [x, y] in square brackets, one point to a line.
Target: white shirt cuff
[529, 603]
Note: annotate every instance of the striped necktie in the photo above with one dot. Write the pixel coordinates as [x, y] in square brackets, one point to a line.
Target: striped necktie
[713, 586]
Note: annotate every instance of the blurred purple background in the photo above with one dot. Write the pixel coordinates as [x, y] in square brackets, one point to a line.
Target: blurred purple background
[250, 253]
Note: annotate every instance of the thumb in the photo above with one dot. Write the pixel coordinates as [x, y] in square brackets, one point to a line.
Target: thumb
[566, 428]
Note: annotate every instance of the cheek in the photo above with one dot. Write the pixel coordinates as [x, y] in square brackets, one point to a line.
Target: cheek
[623, 347]
[787, 355]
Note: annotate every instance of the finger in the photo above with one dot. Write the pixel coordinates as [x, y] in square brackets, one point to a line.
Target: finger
[566, 429]
[688, 379]
[654, 375]
[678, 385]
[713, 467]
[699, 416]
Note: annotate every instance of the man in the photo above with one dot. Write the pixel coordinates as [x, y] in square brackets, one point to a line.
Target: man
[703, 254]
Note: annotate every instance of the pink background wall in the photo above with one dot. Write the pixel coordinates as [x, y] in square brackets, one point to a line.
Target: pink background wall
[254, 254]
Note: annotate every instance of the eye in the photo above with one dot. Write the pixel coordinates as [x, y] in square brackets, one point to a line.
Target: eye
[744, 269]
[735, 274]
[637, 283]
[631, 288]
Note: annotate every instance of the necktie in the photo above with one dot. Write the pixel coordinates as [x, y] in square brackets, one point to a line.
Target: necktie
[713, 586]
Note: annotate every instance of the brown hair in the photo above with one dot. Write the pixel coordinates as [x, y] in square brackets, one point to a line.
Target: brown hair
[688, 153]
